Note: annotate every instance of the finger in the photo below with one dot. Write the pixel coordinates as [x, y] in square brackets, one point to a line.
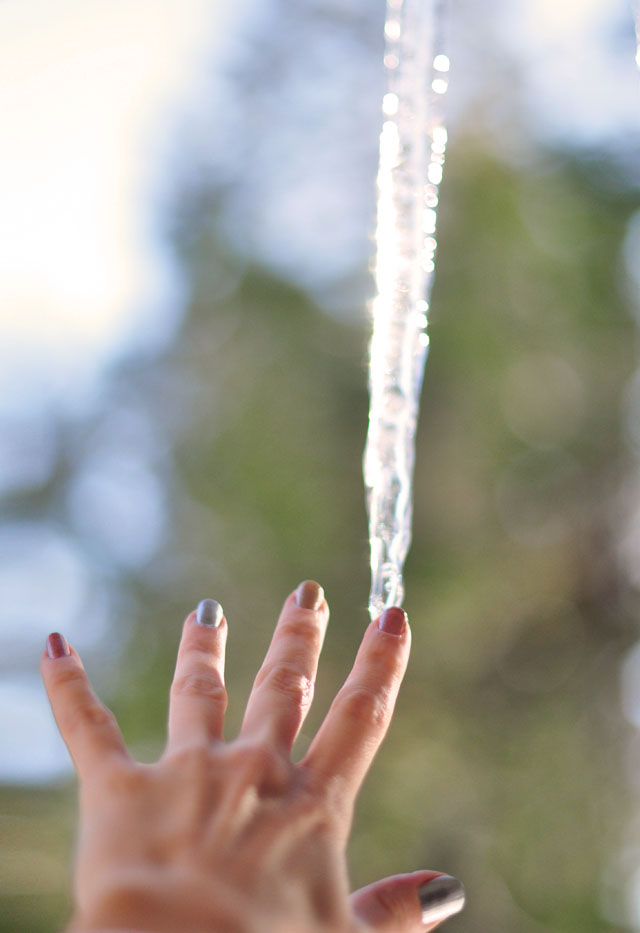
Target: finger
[360, 714]
[198, 699]
[283, 689]
[88, 728]
[410, 903]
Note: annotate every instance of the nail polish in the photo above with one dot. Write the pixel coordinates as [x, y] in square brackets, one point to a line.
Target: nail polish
[309, 595]
[209, 612]
[57, 646]
[393, 621]
[440, 898]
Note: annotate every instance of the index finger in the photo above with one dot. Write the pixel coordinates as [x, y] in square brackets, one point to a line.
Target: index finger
[359, 716]
[89, 729]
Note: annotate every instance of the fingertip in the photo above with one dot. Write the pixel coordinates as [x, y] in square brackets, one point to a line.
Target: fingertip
[53, 667]
[309, 595]
[440, 897]
[394, 903]
[209, 613]
[194, 625]
[377, 634]
[56, 646]
[393, 621]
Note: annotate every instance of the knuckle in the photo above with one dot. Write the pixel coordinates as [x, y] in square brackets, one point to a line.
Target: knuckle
[259, 762]
[326, 789]
[330, 805]
[261, 756]
[299, 627]
[90, 716]
[394, 905]
[118, 893]
[389, 664]
[67, 675]
[310, 813]
[293, 684]
[364, 705]
[129, 779]
[289, 681]
[194, 759]
[327, 799]
[206, 684]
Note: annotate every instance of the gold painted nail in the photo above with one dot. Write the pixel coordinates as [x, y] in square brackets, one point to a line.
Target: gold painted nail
[309, 595]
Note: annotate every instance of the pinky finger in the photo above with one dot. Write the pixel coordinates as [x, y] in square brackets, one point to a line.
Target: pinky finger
[88, 728]
[411, 903]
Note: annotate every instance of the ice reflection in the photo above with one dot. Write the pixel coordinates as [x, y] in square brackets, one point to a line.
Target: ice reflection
[392, 29]
[390, 104]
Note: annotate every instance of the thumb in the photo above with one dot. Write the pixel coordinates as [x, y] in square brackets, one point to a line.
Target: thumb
[411, 903]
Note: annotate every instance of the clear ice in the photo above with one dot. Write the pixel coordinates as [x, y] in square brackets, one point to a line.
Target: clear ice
[412, 150]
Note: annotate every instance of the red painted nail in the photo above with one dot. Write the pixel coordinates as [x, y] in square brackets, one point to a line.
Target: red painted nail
[393, 621]
[57, 646]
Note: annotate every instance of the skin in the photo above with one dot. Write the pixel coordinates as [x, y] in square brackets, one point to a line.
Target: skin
[233, 837]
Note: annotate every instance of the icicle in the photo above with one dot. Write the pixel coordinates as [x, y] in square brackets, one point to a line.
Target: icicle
[412, 149]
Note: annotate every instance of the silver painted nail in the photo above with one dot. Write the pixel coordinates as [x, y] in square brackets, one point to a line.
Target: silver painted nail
[440, 898]
[209, 612]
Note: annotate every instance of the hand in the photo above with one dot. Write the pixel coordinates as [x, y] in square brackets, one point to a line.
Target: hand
[232, 836]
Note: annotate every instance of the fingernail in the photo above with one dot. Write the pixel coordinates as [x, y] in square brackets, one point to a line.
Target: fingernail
[440, 898]
[393, 621]
[309, 595]
[209, 612]
[57, 646]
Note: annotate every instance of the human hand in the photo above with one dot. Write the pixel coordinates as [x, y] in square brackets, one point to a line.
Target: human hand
[233, 837]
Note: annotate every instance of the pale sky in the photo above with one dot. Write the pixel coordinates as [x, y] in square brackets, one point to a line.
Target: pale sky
[86, 92]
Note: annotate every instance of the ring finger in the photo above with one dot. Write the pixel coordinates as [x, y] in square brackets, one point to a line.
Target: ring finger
[359, 717]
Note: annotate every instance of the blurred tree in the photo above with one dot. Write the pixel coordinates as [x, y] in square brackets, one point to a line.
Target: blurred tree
[503, 762]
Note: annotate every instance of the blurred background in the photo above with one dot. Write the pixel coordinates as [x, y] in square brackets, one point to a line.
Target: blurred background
[187, 201]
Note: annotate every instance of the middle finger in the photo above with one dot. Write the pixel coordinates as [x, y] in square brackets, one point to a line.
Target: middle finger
[283, 689]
